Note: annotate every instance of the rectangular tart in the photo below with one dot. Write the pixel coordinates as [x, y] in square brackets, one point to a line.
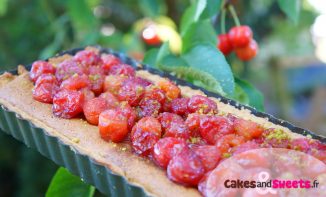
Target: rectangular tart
[16, 96]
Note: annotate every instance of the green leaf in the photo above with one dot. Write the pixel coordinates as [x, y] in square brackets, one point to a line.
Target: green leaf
[291, 8]
[201, 32]
[3, 7]
[240, 95]
[192, 14]
[163, 52]
[172, 61]
[150, 57]
[84, 22]
[200, 7]
[208, 59]
[213, 7]
[150, 8]
[256, 98]
[65, 184]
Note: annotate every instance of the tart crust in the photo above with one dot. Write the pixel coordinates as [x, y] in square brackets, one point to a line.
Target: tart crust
[16, 95]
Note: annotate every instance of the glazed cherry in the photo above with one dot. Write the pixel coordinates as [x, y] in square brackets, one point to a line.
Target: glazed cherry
[141, 81]
[113, 126]
[93, 108]
[248, 52]
[127, 111]
[145, 134]
[109, 61]
[43, 92]
[153, 92]
[88, 58]
[209, 155]
[231, 140]
[122, 69]
[201, 104]
[173, 126]
[193, 124]
[240, 36]
[247, 128]
[68, 68]
[171, 90]
[68, 103]
[76, 82]
[39, 68]
[88, 94]
[165, 149]
[131, 92]
[113, 83]
[224, 44]
[111, 100]
[149, 107]
[213, 127]
[186, 168]
[180, 106]
[46, 78]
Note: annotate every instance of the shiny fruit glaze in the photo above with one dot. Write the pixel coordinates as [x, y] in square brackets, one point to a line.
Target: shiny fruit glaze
[186, 136]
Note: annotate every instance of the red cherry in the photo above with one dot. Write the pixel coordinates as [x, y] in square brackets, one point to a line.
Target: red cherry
[240, 36]
[150, 36]
[165, 149]
[113, 125]
[186, 168]
[248, 52]
[224, 44]
[93, 108]
[68, 103]
[39, 68]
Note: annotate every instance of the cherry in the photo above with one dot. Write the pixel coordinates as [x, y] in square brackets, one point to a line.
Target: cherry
[247, 128]
[193, 123]
[113, 125]
[68, 103]
[240, 36]
[224, 44]
[209, 155]
[180, 106]
[186, 168]
[96, 77]
[122, 69]
[171, 90]
[109, 61]
[201, 104]
[145, 134]
[249, 145]
[131, 92]
[88, 58]
[213, 127]
[68, 68]
[150, 36]
[153, 92]
[165, 149]
[76, 82]
[93, 108]
[149, 107]
[41, 67]
[111, 100]
[173, 126]
[248, 52]
[231, 140]
[88, 94]
[46, 78]
[43, 92]
[113, 83]
[127, 111]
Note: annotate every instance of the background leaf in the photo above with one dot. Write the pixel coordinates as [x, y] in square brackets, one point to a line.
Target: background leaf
[150, 8]
[256, 98]
[201, 32]
[3, 7]
[208, 59]
[291, 8]
[150, 57]
[65, 184]
[212, 8]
